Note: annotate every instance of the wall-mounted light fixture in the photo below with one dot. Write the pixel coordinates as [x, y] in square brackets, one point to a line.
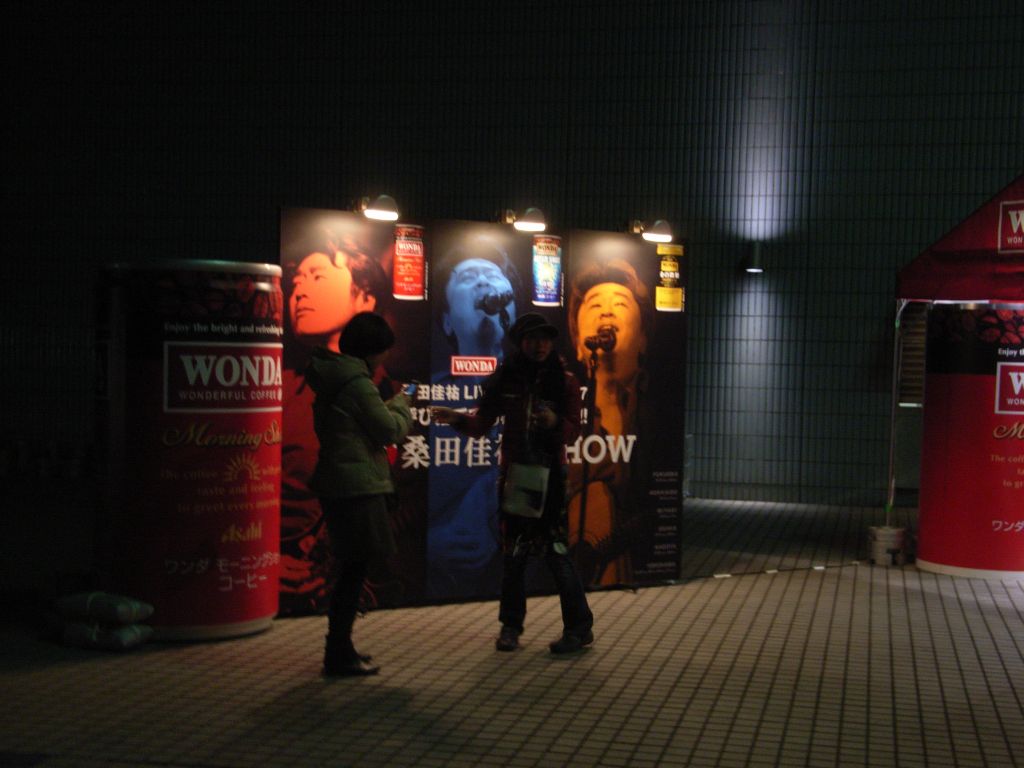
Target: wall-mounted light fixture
[532, 220]
[658, 232]
[752, 261]
[384, 208]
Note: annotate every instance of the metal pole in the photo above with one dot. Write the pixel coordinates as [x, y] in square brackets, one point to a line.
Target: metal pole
[588, 405]
[901, 304]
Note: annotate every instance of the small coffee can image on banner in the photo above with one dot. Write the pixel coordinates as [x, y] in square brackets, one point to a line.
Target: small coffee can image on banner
[409, 268]
[547, 271]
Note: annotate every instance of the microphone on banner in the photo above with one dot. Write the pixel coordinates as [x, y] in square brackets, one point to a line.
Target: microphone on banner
[605, 339]
[493, 303]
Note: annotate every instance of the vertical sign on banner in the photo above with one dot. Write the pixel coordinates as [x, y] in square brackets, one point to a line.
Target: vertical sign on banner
[972, 456]
[194, 443]
[409, 273]
[478, 274]
[625, 470]
[547, 271]
[670, 293]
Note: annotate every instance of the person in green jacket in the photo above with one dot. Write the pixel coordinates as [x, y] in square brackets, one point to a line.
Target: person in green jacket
[352, 477]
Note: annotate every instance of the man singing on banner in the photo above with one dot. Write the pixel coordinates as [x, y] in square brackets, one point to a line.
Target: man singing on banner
[479, 286]
[331, 278]
[610, 317]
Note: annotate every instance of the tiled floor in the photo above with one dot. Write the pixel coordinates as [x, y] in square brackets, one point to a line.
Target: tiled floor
[734, 537]
[816, 664]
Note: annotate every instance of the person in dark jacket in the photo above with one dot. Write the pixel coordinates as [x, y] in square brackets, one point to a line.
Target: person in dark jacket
[540, 401]
[352, 477]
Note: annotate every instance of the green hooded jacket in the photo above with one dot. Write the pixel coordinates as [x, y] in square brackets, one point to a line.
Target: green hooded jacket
[354, 426]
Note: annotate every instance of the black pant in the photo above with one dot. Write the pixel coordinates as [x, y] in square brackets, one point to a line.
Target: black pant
[344, 604]
[360, 533]
[577, 618]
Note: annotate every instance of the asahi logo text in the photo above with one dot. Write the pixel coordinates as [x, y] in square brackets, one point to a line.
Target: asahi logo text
[237, 533]
[222, 377]
[1011, 226]
[1010, 388]
[473, 366]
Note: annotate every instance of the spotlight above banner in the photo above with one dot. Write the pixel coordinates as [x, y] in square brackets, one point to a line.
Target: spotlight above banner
[752, 262]
[384, 208]
[532, 220]
[658, 232]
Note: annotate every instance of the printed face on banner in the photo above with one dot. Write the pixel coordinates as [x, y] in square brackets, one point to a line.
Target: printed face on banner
[335, 265]
[611, 309]
[477, 272]
[612, 528]
[323, 296]
[480, 306]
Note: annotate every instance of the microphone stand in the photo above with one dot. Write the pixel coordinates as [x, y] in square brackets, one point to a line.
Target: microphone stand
[588, 405]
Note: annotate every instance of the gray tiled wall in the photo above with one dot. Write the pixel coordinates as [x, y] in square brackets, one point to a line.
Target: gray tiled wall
[846, 136]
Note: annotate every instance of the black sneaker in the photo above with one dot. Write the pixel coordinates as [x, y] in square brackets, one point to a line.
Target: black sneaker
[570, 643]
[508, 640]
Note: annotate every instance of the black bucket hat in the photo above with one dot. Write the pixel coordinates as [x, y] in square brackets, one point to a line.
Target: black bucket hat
[531, 322]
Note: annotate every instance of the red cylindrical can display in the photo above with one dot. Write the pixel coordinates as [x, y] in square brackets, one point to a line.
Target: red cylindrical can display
[409, 267]
[972, 456]
[192, 401]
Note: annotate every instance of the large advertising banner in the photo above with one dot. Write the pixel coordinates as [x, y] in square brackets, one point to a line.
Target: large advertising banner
[337, 264]
[480, 275]
[972, 459]
[625, 471]
[192, 401]
[451, 290]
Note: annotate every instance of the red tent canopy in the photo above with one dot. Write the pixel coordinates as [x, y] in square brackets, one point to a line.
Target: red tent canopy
[981, 259]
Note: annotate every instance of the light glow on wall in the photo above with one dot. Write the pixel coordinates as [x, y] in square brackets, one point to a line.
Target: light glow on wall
[764, 206]
[765, 146]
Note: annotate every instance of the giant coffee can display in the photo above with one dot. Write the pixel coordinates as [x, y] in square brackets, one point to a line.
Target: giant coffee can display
[972, 456]
[191, 403]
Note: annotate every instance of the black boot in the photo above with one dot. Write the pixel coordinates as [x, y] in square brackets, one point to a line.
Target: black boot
[508, 640]
[571, 643]
[342, 660]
